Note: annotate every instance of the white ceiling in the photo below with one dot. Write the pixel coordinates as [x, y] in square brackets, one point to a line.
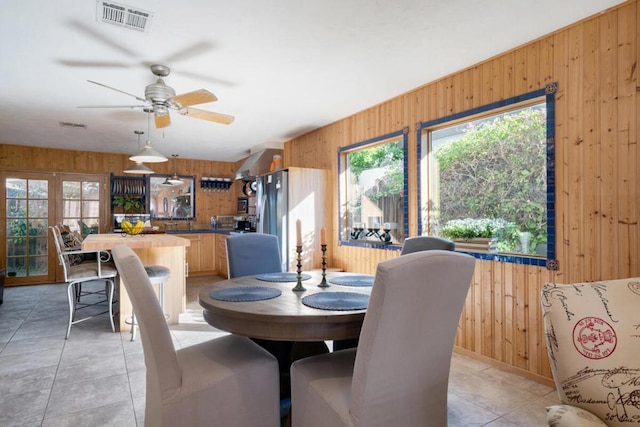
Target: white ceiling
[281, 67]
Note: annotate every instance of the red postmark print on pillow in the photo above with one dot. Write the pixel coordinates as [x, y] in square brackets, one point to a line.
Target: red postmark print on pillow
[594, 338]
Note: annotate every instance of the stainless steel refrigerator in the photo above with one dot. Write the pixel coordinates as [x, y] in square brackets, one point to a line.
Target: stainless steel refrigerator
[288, 195]
[272, 209]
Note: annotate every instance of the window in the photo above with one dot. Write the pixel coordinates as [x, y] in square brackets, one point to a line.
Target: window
[489, 173]
[372, 191]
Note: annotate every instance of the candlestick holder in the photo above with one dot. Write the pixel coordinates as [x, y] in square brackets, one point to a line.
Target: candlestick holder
[323, 283]
[299, 287]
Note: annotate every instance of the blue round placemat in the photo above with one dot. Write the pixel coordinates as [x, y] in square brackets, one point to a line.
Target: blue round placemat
[282, 277]
[245, 293]
[337, 301]
[355, 280]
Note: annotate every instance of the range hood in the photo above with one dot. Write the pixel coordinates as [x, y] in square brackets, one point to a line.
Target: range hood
[257, 163]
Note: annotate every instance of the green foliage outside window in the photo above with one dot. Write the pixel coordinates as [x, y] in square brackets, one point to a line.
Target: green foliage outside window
[389, 156]
[497, 169]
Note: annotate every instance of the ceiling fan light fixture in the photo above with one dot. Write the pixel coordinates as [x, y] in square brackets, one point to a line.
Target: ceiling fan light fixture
[149, 155]
[139, 168]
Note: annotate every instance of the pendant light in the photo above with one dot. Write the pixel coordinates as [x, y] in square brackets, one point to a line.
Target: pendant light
[173, 180]
[148, 153]
[139, 168]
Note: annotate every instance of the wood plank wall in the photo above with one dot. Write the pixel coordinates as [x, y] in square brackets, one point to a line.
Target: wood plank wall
[597, 162]
[208, 203]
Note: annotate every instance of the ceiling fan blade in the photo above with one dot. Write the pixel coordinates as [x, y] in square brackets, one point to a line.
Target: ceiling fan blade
[162, 120]
[207, 115]
[89, 31]
[201, 96]
[112, 106]
[202, 77]
[196, 49]
[118, 90]
[94, 64]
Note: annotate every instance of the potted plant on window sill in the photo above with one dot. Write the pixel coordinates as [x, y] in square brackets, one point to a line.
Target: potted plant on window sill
[475, 234]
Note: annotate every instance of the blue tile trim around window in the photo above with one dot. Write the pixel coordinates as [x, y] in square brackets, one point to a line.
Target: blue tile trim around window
[548, 92]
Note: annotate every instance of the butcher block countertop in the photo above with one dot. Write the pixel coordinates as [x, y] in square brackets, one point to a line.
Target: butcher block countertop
[153, 249]
[143, 241]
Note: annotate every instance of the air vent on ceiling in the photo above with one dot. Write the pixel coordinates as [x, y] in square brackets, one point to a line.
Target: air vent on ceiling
[73, 125]
[123, 15]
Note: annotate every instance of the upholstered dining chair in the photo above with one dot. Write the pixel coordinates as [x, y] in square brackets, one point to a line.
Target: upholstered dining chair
[399, 374]
[250, 254]
[253, 253]
[82, 266]
[257, 253]
[225, 381]
[426, 243]
[593, 343]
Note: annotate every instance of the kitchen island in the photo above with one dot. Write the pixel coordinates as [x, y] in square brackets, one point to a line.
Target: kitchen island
[153, 249]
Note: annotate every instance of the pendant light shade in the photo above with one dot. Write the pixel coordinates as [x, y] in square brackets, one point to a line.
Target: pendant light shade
[174, 179]
[139, 168]
[148, 155]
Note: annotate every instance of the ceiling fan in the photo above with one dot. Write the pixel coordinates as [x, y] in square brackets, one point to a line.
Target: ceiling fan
[159, 98]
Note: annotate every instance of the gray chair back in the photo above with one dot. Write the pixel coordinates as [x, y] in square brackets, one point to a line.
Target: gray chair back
[426, 243]
[402, 364]
[253, 253]
[160, 354]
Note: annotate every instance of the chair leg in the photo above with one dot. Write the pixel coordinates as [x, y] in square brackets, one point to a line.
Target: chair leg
[133, 315]
[133, 325]
[71, 296]
[110, 286]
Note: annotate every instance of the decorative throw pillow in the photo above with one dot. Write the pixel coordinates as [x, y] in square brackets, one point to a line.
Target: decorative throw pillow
[71, 242]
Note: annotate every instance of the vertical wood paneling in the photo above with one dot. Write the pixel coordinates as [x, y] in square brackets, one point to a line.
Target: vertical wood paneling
[609, 213]
[597, 164]
[626, 115]
[574, 159]
[590, 147]
[17, 157]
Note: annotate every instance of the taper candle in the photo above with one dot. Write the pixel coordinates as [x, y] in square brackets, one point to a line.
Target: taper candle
[323, 237]
[298, 233]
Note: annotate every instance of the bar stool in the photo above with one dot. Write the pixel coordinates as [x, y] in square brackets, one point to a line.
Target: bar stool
[158, 275]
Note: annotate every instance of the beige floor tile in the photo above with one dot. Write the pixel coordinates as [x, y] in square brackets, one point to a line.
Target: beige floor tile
[98, 377]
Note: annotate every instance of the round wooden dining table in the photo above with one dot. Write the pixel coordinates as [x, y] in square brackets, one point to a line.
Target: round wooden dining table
[284, 317]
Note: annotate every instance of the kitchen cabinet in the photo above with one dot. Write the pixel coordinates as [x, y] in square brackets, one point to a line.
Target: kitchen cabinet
[201, 253]
[221, 255]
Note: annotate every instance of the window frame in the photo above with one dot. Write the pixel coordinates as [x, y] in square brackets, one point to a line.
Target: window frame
[342, 157]
[548, 93]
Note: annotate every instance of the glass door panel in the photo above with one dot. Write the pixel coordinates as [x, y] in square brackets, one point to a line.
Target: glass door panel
[27, 210]
[81, 205]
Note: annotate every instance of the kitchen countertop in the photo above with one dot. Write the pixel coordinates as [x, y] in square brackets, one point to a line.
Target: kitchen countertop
[201, 230]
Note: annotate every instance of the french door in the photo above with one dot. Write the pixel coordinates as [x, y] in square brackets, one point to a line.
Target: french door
[27, 211]
[34, 201]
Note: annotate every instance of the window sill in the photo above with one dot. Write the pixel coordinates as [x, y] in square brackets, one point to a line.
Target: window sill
[371, 244]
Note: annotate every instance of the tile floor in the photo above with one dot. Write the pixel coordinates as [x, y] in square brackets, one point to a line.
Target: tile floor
[97, 378]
